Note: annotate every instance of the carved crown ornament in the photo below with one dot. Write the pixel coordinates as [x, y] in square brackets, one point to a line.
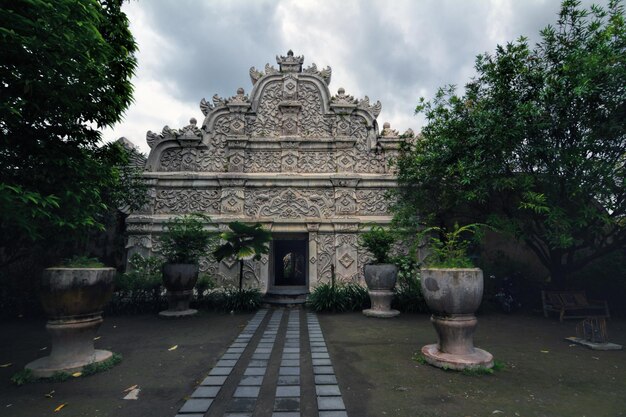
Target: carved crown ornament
[187, 136]
[288, 104]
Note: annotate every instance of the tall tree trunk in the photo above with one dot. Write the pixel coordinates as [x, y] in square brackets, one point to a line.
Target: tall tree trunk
[240, 275]
[558, 276]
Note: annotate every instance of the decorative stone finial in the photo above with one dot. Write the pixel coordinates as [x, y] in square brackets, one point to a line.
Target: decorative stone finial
[290, 63]
[193, 121]
[388, 131]
[341, 91]
[240, 91]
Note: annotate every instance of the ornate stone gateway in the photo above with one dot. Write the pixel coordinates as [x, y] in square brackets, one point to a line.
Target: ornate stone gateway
[311, 166]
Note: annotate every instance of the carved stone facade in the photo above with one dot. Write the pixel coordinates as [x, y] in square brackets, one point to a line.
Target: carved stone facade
[309, 165]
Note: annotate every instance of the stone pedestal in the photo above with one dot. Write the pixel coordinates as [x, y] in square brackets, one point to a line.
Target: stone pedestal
[73, 299]
[178, 304]
[380, 280]
[381, 304]
[454, 295]
[179, 279]
[72, 347]
[455, 348]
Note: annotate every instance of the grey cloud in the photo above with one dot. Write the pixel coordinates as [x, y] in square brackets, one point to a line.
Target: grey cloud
[214, 44]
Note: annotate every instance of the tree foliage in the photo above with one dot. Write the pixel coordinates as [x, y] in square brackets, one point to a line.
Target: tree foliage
[243, 241]
[536, 145]
[65, 69]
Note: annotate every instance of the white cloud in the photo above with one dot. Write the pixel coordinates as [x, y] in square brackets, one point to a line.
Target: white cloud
[394, 51]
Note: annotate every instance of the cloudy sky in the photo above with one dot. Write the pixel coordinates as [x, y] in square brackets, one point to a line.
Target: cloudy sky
[394, 51]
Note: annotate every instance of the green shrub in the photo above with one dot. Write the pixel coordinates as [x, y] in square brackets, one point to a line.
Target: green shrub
[204, 284]
[408, 296]
[140, 289]
[81, 262]
[231, 299]
[94, 368]
[23, 376]
[184, 239]
[357, 297]
[378, 242]
[338, 298]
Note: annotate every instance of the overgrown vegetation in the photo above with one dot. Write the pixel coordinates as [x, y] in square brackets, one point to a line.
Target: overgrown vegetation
[25, 376]
[338, 298]
[474, 371]
[58, 181]
[141, 288]
[81, 261]
[185, 240]
[534, 146]
[449, 248]
[408, 296]
[377, 241]
[232, 299]
[242, 241]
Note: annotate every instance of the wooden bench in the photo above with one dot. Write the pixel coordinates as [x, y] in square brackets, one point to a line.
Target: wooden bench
[573, 305]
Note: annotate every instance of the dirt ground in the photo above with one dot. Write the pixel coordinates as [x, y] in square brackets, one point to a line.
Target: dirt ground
[544, 375]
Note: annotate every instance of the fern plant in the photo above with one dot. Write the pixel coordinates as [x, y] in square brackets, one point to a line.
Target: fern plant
[449, 248]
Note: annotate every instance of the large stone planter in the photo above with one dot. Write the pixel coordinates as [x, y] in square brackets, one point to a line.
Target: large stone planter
[179, 280]
[380, 280]
[73, 299]
[453, 296]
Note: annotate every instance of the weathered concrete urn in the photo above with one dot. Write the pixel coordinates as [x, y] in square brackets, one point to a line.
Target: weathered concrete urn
[73, 299]
[380, 280]
[454, 295]
[179, 280]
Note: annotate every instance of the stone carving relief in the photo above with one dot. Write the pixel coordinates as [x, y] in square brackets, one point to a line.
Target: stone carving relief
[373, 201]
[252, 274]
[345, 201]
[293, 131]
[346, 253]
[232, 201]
[188, 160]
[144, 241]
[289, 203]
[268, 120]
[188, 201]
[263, 161]
[325, 256]
[364, 258]
[171, 160]
[316, 162]
[325, 73]
[311, 119]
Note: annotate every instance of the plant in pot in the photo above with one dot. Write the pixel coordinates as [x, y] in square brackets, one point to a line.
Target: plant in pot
[242, 242]
[73, 295]
[381, 275]
[452, 288]
[184, 241]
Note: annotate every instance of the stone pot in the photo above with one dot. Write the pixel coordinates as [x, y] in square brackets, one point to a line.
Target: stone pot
[453, 295]
[380, 280]
[73, 299]
[179, 280]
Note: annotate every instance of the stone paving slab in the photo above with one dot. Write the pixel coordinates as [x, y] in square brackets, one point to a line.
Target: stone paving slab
[271, 371]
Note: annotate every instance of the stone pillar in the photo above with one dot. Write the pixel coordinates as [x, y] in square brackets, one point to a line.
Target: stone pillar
[313, 229]
[346, 265]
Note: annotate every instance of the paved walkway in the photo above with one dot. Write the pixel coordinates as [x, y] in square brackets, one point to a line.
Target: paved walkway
[278, 366]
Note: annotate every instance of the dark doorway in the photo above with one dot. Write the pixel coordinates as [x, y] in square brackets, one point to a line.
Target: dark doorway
[290, 262]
